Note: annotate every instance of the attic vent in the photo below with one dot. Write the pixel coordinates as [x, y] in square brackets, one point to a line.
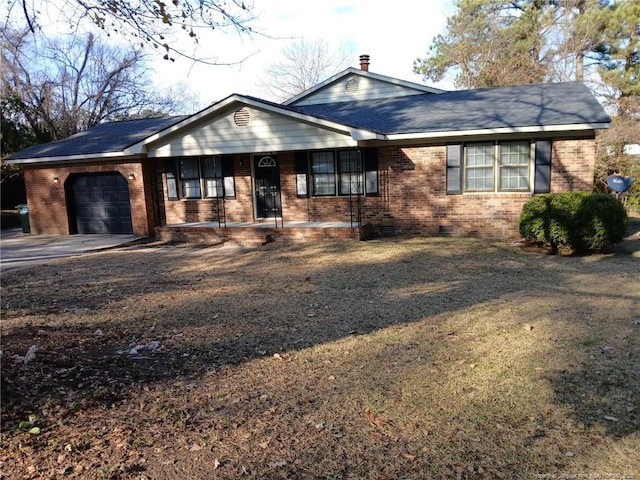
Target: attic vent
[242, 117]
[352, 86]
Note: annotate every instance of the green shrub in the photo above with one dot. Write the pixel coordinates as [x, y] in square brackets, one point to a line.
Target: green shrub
[578, 221]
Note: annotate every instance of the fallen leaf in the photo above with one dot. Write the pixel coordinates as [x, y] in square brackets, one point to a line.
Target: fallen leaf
[278, 464]
[216, 464]
[610, 418]
[374, 420]
[405, 453]
[263, 445]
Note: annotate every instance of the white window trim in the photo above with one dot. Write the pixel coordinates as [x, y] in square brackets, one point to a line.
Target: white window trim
[496, 170]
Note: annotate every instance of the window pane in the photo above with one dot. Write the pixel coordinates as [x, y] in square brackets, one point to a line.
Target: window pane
[480, 155]
[350, 170]
[301, 184]
[479, 178]
[350, 183]
[372, 181]
[191, 188]
[323, 173]
[514, 178]
[514, 153]
[211, 167]
[189, 168]
[324, 184]
[479, 166]
[322, 162]
[514, 166]
[213, 187]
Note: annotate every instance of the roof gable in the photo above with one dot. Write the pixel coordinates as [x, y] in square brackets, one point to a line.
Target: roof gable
[239, 128]
[354, 84]
[236, 101]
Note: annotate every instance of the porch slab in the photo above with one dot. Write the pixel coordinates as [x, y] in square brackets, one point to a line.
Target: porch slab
[248, 234]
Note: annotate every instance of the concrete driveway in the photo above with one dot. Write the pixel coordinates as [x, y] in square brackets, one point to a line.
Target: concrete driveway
[18, 249]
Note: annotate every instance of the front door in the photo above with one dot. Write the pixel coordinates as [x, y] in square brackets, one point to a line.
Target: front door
[267, 187]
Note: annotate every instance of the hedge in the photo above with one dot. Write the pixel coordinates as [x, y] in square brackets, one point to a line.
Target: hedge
[578, 221]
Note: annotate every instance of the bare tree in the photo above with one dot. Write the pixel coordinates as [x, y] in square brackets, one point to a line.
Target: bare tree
[302, 64]
[144, 22]
[61, 87]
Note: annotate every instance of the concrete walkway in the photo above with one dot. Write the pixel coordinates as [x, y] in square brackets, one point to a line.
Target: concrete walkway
[21, 249]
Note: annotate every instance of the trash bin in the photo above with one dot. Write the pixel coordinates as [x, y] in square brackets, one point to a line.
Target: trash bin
[23, 213]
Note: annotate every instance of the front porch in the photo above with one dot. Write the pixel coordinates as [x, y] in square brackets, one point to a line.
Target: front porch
[252, 234]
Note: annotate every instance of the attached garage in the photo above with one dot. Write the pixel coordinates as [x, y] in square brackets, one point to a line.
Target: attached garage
[99, 203]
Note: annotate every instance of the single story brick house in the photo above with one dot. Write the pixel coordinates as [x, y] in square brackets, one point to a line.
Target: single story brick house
[360, 150]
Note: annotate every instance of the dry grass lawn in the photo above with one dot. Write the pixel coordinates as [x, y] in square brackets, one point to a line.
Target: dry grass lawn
[389, 359]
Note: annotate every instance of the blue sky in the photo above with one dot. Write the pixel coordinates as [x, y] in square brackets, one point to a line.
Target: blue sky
[392, 33]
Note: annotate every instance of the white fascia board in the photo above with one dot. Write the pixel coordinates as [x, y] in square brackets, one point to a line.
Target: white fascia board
[361, 134]
[499, 131]
[83, 158]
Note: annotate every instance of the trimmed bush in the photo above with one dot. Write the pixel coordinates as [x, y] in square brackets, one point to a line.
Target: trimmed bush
[578, 221]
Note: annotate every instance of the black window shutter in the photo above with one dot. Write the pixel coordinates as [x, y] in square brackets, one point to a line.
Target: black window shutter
[227, 177]
[172, 181]
[454, 169]
[542, 183]
[371, 170]
[302, 173]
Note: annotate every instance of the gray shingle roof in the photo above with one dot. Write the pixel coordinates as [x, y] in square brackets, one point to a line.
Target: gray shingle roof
[488, 108]
[103, 138]
[520, 106]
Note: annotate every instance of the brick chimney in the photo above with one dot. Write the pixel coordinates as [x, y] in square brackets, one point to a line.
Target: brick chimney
[364, 63]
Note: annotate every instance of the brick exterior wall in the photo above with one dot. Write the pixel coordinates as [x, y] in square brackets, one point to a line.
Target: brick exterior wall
[412, 195]
[49, 203]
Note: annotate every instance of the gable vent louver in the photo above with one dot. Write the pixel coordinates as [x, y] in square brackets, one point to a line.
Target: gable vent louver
[352, 86]
[242, 117]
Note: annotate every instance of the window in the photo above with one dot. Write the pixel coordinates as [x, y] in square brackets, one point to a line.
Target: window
[323, 173]
[505, 165]
[337, 172]
[479, 167]
[190, 177]
[205, 177]
[350, 172]
[212, 173]
[514, 166]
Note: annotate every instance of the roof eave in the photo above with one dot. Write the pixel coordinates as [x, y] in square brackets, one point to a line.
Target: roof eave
[70, 158]
[499, 131]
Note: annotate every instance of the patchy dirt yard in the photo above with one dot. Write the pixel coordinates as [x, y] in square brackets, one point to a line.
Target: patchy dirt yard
[388, 359]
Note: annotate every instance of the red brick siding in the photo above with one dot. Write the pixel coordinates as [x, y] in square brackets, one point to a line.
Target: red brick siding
[412, 194]
[238, 209]
[48, 203]
[414, 200]
[572, 165]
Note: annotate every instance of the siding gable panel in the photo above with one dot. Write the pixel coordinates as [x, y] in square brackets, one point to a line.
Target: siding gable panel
[367, 89]
[266, 132]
